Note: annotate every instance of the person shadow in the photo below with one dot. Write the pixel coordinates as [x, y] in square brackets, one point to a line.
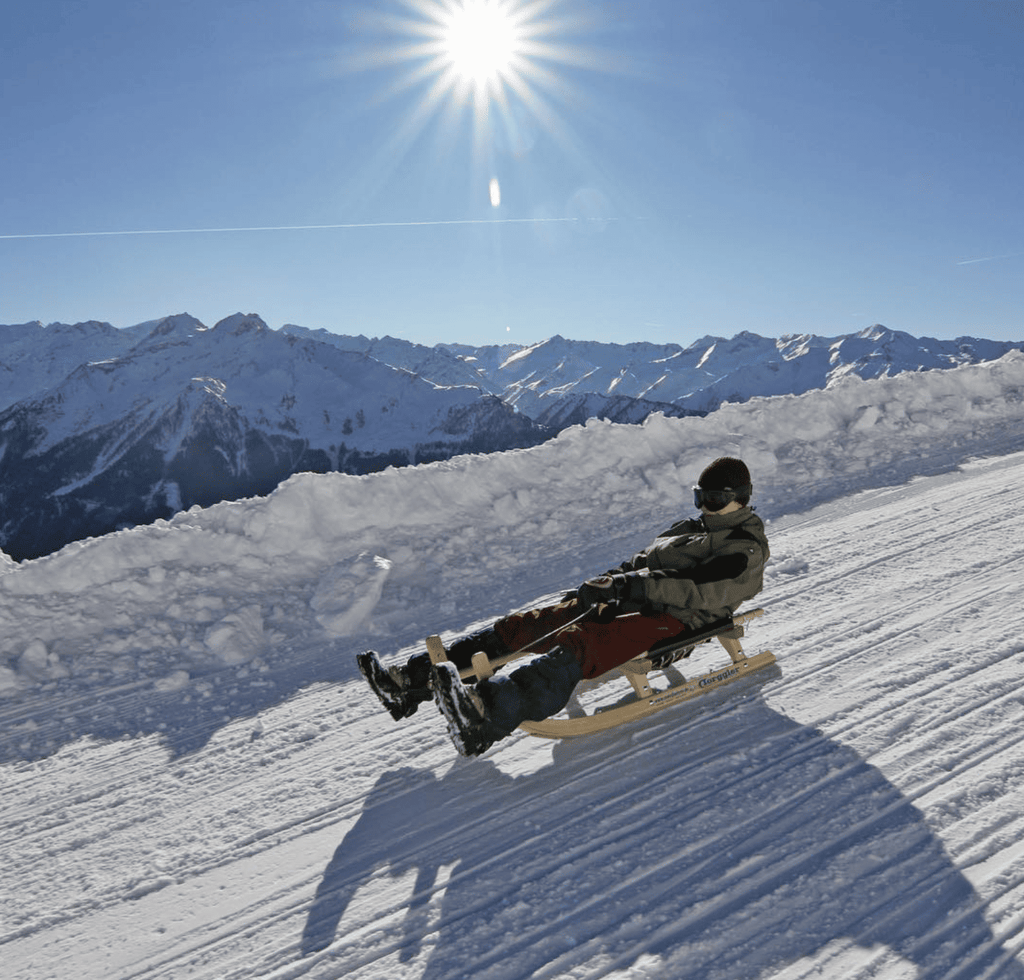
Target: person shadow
[725, 840]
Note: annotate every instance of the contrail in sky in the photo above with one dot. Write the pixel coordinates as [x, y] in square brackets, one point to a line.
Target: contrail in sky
[365, 224]
[990, 258]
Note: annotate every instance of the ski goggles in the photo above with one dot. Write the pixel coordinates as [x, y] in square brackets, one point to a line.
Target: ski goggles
[717, 499]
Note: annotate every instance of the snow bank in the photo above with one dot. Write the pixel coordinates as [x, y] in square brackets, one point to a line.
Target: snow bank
[350, 556]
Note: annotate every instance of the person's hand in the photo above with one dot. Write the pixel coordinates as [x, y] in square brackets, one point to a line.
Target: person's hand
[603, 589]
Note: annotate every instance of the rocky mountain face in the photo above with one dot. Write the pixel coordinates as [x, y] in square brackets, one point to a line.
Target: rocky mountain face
[102, 428]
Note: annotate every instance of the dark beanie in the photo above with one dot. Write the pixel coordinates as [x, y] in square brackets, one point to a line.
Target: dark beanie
[727, 473]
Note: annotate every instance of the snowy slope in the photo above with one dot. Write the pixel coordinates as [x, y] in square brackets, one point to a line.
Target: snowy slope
[195, 783]
[34, 357]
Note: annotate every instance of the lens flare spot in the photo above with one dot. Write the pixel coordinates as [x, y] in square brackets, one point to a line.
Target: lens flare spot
[495, 192]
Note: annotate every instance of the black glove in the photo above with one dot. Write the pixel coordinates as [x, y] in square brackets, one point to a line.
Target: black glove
[604, 589]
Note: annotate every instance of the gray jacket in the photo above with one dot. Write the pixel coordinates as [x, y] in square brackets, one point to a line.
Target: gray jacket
[702, 569]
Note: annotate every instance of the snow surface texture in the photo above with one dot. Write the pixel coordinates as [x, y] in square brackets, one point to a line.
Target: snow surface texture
[196, 782]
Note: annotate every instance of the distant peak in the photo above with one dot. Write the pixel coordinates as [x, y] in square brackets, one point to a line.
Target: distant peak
[241, 323]
[83, 327]
[179, 323]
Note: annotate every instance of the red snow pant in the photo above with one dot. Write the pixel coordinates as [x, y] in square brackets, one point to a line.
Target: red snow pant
[599, 642]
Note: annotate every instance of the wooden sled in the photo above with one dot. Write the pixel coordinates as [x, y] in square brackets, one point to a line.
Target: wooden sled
[646, 700]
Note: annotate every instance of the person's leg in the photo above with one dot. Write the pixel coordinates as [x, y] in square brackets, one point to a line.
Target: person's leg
[487, 641]
[513, 632]
[520, 631]
[478, 717]
[533, 692]
[587, 649]
[601, 645]
[402, 688]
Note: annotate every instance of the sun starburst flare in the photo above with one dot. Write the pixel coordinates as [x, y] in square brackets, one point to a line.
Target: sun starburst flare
[478, 49]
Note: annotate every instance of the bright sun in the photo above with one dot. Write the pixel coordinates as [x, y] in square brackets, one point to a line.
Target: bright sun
[486, 53]
[481, 39]
[498, 59]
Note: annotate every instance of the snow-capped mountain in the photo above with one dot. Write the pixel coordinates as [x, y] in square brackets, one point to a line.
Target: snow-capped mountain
[697, 378]
[102, 428]
[191, 415]
[34, 358]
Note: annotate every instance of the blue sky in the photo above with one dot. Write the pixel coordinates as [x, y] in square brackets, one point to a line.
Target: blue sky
[667, 168]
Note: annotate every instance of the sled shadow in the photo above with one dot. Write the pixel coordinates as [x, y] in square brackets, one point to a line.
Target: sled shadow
[732, 844]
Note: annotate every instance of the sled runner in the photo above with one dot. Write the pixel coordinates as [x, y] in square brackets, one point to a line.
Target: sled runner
[646, 699]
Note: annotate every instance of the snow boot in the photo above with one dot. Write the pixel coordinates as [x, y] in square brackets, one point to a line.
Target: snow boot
[463, 710]
[400, 689]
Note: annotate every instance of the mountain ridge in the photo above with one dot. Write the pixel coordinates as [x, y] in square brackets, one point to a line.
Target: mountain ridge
[102, 428]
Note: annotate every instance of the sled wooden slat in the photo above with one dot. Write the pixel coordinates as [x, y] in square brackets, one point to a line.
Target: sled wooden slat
[436, 650]
[482, 666]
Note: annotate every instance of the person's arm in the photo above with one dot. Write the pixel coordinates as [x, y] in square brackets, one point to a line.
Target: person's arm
[725, 580]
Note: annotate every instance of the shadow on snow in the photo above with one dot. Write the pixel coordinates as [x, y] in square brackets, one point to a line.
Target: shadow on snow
[725, 845]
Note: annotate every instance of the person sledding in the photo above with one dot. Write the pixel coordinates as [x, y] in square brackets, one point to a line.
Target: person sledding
[697, 572]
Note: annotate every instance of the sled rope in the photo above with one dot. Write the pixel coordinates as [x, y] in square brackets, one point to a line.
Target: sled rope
[483, 667]
[547, 636]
